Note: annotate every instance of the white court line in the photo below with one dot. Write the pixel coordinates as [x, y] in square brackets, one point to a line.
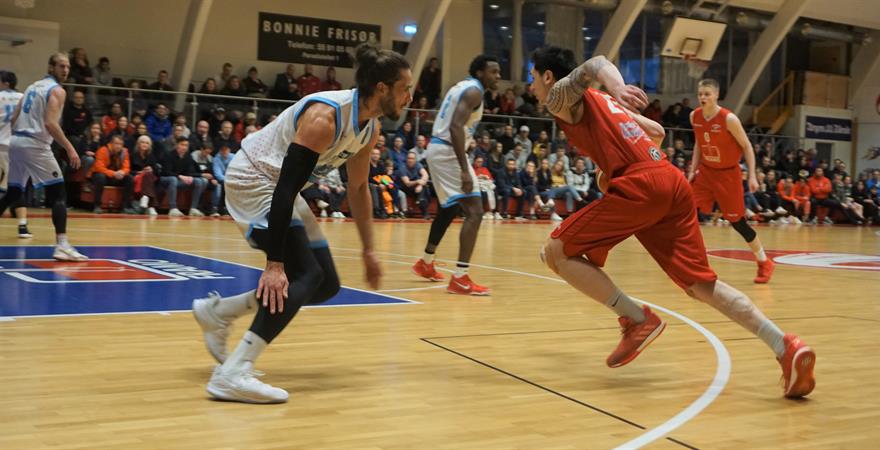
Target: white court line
[722, 372]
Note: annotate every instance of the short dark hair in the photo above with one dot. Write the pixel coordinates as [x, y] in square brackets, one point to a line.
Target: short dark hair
[557, 60]
[181, 139]
[375, 65]
[480, 62]
[709, 82]
[103, 59]
[9, 78]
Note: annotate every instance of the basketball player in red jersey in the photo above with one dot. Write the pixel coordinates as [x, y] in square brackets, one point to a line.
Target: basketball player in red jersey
[646, 197]
[715, 174]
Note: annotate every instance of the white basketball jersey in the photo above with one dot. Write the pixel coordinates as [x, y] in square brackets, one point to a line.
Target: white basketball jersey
[8, 101]
[443, 121]
[267, 147]
[31, 120]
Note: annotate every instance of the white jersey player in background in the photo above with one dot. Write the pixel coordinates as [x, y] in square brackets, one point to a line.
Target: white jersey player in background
[453, 176]
[305, 142]
[9, 98]
[35, 123]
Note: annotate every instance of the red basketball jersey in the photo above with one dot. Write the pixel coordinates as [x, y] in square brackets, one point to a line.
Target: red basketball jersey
[609, 136]
[718, 148]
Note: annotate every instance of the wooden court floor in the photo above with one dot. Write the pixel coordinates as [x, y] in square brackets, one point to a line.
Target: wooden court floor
[522, 369]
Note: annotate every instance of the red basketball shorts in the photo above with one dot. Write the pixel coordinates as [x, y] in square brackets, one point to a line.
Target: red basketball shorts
[724, 186]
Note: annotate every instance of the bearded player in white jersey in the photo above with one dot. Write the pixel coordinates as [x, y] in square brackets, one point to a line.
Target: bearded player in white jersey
[305, 142]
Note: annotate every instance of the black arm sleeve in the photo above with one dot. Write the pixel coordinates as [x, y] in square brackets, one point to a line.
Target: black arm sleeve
[296, 169]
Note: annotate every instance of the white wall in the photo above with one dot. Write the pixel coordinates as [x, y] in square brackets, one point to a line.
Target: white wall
[29, 61]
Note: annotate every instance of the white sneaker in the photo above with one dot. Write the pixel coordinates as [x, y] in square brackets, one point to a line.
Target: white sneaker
[152, 211]
[781, 210]
[324, 213]
[796, 221]
[68, 254]
[549, 205]
[767, 213]
[337, 215]
[175, 213]
[828, 221]
[555, 217]
[322, 204]
[195, 212]
[488, 216]
[521, 218]
[215, 329]
[498, 216]
[244, 387]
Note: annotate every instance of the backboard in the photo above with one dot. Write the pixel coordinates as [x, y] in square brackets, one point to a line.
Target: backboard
[694, 38]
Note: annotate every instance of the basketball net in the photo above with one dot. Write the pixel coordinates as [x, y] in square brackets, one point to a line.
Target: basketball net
[696, 67]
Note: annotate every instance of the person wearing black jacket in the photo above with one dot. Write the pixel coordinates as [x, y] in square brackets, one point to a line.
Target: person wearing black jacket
[145, 169]
[179, 171]
[76, 118]
[509, 185]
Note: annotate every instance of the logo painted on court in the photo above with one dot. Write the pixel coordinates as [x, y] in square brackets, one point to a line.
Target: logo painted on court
[128, 280]
[847, 261]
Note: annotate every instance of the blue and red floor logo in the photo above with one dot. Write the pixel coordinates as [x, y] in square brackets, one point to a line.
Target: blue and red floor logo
[849, 261]
[127, 280]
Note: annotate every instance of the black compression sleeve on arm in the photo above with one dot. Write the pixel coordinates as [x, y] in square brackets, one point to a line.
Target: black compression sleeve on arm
[295, 171]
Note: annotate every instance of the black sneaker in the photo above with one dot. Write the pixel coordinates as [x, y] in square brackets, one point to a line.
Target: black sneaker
[23, 232]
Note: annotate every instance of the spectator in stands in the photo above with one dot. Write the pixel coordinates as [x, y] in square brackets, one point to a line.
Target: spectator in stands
[387, 193]
[250, 119]
[377, 168]
[138, 102]
[429, 82]
[141, 130]
[205, 164]
[145, 170]
[226, 137]
[495, 163]
[862, 196]
[253, 85]
[405, 132]
[654, 111]
[89, 145]
[397, 153]
[559, 155]
[486, 182]
[283, 80]
[76, 118]
[412, 180]
[180, 121]
[679, 147]
[380, 143]
[491, 101]
[538, 155]
[424, 117]
[335, 192]
[506, 138]
[108, 122]
[509, 186]
[839, 169]
[308, 83]
[484, 145]
[529, 106]
[684, 116]
[158, 124]
[820, 190]
[112, 167]
[788, 164]
[201, 135]
[767, 195]
[124, 129]
[559, 188]
[80, 72]
[179, 171]
[234, 87]
[225, 73]
[840, 192]
[523, 138]
[528, 178]
[544, 180]
[508, 103]
[209, 86]
[330, 83]
[420, 148]
[874, 180]
[670, 117]
[218, 116]
[221, 164]
[171, 142]
[103, 75]
[562, 141]
[579, 180]
[161, 84]
[517, 154]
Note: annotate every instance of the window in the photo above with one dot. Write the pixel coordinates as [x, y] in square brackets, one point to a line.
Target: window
[498, 32]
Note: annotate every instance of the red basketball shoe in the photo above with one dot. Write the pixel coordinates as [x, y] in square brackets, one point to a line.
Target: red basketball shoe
[636, 336]
[797, 367]
[464, 286]
[765, 271]
[425, 270]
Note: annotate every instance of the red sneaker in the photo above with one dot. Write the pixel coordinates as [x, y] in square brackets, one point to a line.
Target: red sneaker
[464, 286]
[797, 367]
[425, 270]
[765, 271]
[636, 336]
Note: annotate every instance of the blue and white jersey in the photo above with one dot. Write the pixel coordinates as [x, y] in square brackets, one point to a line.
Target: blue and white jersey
[443, 121]
[31, 122]
[8, 101]
[267, 147]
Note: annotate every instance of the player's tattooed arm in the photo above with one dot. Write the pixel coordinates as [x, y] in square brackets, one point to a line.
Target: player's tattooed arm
[568, 92]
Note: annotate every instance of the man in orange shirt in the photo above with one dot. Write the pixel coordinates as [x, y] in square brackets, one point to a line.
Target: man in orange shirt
[820, 188]
[112, 166]
[793, 199]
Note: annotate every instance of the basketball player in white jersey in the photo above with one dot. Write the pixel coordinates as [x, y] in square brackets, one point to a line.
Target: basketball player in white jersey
[35, 123]
[9, 98]
[308, 140]
[453, 175]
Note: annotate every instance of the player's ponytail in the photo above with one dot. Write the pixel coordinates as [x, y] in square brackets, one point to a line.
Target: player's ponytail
[375, 66]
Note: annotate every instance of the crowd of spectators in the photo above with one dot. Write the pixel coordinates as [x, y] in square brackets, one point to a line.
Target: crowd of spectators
[137, 142]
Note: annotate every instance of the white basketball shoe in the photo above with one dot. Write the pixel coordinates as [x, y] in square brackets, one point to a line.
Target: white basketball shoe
[68, 253]
[243, 386]
[215, 329]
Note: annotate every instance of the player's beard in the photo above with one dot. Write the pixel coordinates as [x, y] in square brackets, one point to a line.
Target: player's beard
[389, 108]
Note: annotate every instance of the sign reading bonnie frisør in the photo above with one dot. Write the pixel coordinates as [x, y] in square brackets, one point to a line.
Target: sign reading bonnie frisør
[314, 41]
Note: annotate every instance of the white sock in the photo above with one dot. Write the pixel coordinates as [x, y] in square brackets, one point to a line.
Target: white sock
[145, 201]
[233, 307]
[772, 336]
[22, 221]
[247, 351]
[624, 306]
[460, 270]
[61, 240]
[758, 250]
[428, 258]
